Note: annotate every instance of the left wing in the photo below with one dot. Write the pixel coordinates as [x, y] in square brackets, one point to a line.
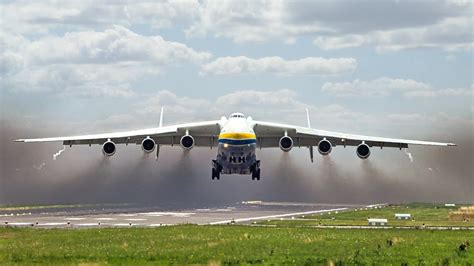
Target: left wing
[269, 134]
[204, 134]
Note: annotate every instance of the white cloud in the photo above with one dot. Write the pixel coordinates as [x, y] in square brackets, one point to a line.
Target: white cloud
[42, 17]
[90, 63]
[334, 25]
[386, 86]
[451, 34]
[278, 65]
[377, 87]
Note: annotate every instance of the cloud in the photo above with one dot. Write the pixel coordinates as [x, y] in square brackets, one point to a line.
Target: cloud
[377, 87]
[386, 86]
[450, 92]
[452, 34]
[43, 17]
[278, 65]
[90, 63]
[334, 25]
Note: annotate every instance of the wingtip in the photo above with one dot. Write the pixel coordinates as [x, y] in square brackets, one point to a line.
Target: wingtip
[452, 144]
[19, 140]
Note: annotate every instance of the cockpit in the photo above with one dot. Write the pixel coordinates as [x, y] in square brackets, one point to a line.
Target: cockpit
[237, 115]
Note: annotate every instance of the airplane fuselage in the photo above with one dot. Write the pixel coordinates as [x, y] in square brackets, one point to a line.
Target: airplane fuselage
[236, 147]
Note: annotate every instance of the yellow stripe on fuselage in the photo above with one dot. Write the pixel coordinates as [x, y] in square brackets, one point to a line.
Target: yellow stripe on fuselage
[237, 135]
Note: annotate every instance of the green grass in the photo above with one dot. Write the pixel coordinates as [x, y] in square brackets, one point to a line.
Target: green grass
[422, 214]
[192, 244]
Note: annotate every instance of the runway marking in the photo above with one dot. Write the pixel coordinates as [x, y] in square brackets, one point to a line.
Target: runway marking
[52, 224]
[122, 224]
[19, 223]
[275, 216]
[86, 224]
[136, 219]
[128, 214]
[176, 214]
[105, 219]
[74, 219]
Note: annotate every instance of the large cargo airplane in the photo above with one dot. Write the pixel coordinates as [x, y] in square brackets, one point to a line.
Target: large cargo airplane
[237, 139]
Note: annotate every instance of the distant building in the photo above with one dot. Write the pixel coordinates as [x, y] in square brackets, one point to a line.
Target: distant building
[377, 221]
[449, 205]
[402, 216]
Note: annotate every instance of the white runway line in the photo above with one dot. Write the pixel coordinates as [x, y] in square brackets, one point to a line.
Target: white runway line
[128, 214]
[51, 224]
[122, 224]
[74, 219]
[105, 219]
[86, 224]
[19, 223]
[135, 219]
[275, 216]
[176, 214]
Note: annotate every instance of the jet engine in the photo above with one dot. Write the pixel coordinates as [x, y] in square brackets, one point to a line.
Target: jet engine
[108, 148]
[363, 151]
[286, 143]
[148, 145]
[187, 142]
[324, 147]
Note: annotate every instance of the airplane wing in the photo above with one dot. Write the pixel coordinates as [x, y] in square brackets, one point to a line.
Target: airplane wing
[269, 134]
[204, 134]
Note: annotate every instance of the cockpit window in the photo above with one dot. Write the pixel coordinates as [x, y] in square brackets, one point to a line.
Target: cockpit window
[237, 115]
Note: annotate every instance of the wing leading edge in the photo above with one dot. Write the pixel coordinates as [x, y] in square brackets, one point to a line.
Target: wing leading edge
[268, 134]
[162, 135]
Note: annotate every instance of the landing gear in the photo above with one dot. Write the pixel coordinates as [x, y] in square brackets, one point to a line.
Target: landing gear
[216, 170]
[255, 170]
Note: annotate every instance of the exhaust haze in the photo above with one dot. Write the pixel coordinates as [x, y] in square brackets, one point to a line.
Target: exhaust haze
[30, 174]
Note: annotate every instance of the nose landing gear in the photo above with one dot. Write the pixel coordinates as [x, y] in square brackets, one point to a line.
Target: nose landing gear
[255, 171]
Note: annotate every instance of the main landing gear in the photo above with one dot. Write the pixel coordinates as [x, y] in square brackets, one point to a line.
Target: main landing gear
[216, 170]
[255, 170]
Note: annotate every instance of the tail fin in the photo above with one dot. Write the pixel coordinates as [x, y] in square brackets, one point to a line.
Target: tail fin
[161, 117]
[307, 117]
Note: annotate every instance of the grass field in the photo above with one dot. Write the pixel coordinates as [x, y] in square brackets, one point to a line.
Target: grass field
[192, 244]
[284, 242]
[423, 214]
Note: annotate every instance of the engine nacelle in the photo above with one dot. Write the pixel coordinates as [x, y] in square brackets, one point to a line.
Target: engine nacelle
[148, 145]
[324, 147]
[108, 148]
[187, 142]
[363, 151]
[285, 143]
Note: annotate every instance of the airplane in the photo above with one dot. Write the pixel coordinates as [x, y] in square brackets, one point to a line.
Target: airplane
[237, 139]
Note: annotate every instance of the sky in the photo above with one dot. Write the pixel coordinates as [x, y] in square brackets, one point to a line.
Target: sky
[401, 69]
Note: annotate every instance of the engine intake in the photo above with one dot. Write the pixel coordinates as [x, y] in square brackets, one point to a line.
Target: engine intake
[108, 148]
[286, 143]
[324, 147]
[148, 145]
[187, 142]
[363, 151]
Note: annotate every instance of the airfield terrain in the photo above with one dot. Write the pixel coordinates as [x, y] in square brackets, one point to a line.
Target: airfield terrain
[246, 233]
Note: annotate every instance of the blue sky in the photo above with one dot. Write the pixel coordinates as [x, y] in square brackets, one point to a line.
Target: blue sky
[76, 62]
[388, 68]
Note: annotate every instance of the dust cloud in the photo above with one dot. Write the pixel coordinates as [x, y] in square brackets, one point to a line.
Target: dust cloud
[29, 174]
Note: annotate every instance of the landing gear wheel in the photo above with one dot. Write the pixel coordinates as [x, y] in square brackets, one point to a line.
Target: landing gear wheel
[215, 174]
[256, 174]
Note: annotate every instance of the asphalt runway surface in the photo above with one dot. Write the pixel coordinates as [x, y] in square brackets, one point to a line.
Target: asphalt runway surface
[153, 216]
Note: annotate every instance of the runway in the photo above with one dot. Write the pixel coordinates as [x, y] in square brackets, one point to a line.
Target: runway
[132, 216]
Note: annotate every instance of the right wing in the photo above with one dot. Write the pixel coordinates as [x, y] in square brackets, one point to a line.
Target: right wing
[269, 134]
[204, 134]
